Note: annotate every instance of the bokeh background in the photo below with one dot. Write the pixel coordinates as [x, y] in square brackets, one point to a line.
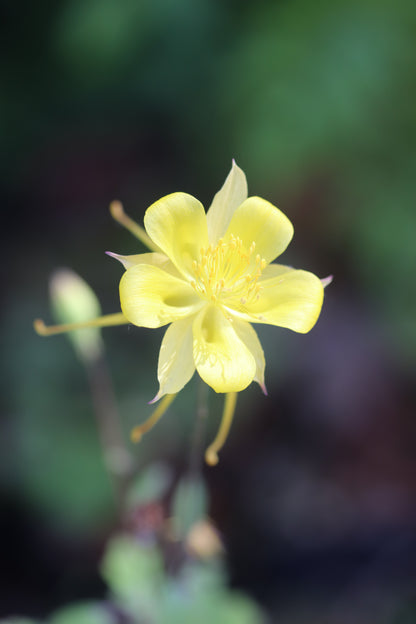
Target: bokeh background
[101, 99]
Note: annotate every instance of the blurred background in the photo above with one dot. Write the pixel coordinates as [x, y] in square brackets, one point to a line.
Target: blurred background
[314, 495]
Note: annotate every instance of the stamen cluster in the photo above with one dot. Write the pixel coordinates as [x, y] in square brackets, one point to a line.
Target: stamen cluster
[227, 270]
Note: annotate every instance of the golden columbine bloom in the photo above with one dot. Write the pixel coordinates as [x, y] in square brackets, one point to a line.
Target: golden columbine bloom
[209, 276]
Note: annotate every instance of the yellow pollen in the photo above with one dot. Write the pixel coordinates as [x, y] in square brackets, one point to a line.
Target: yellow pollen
[228, 269]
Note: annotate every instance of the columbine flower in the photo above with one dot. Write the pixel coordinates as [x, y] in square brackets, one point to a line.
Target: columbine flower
[209, 277]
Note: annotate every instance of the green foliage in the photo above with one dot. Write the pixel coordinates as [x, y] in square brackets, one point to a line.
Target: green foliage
[18, 620]
[150, 484]
[297, 92]
[82, 613]
[190, 504]
[55, 456]
[135, 575]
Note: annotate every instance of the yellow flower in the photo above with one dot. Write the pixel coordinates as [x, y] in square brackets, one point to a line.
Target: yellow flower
[209, 277]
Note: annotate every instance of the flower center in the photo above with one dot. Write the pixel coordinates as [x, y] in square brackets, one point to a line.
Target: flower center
[227, 270]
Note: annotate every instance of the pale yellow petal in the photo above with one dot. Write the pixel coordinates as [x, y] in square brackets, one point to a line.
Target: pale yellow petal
[291, 299]
[155, 259]
[151, 297]
[249, 337]
[274, 270]
[228, 198]
[176, 363]
[258, 221]
[221, 358]
[177, 224]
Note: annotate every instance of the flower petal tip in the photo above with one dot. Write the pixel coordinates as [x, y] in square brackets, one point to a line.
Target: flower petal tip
[155, 399]
[264, 389]
[327, 280]
[115, 256]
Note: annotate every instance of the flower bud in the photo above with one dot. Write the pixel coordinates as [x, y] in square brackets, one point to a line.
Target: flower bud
[73, 301]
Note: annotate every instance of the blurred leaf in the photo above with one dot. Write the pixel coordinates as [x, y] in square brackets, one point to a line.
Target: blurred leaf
[53, 456]
[150, 485]
[95, 38]
[19, 620]
[74, 301]
[88, 613]
[66, 477]
[200, 595]
[189, 505]
[305, 81]
[134, 573]
[197, 593]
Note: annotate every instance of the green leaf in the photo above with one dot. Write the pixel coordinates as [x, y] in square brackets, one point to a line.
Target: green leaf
[18, 620]
[86, 613]
[200, 595]
[189, 504]
[134, 574]
[150, 485]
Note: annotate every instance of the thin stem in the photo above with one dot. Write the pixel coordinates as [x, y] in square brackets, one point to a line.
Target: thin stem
[139, 430]
[211, 454]
[118, 460]
[102, 321]
[198, 434]
[118, 214]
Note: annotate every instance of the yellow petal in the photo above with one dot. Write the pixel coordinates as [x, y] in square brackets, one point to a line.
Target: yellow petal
[274, 270]
[249, 337]
[151, 297]
[228, 198]
[177, 224]
[291, 299]
[176, 363]
[258, 221]
[221, 358]
[155, 259]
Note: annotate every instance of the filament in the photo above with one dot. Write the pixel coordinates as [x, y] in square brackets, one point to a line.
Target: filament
[102, 321]
[118, 214]
[211, 454]
[138, 431]
[228, 270]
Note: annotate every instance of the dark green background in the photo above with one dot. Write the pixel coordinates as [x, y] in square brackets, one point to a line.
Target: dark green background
[102, 99]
